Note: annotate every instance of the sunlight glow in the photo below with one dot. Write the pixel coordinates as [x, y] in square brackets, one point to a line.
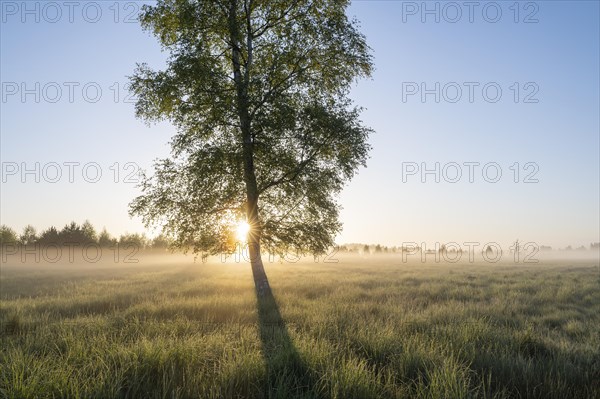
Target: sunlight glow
[242, 231]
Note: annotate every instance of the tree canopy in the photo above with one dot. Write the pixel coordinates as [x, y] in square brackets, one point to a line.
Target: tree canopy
[258, 91]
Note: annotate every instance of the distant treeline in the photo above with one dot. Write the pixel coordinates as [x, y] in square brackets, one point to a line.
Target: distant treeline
[381, 249]
[74, 233]
[86, 233]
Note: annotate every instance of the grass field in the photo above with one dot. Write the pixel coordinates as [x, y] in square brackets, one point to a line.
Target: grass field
[362, 328]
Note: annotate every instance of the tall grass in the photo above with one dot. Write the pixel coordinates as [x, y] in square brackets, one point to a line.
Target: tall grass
[362, 328]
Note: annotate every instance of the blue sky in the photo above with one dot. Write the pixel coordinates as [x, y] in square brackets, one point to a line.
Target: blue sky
[556, 57]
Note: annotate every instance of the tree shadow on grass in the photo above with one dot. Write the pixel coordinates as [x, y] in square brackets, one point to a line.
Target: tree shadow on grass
[287, 373]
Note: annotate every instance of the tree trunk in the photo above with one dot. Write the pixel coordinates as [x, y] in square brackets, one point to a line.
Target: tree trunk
[261, 282]
[241, 84]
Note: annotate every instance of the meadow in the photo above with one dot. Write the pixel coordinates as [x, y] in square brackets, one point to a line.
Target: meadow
[365, 327]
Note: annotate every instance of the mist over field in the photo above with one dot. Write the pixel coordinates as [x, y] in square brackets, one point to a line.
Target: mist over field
[366, 326]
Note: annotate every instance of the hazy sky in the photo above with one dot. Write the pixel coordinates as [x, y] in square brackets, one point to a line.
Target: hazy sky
[64, 106]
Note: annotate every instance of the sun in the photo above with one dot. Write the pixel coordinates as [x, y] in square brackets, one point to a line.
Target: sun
[242, 231]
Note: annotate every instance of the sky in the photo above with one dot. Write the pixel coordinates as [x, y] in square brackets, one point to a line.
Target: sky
[497, 101]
